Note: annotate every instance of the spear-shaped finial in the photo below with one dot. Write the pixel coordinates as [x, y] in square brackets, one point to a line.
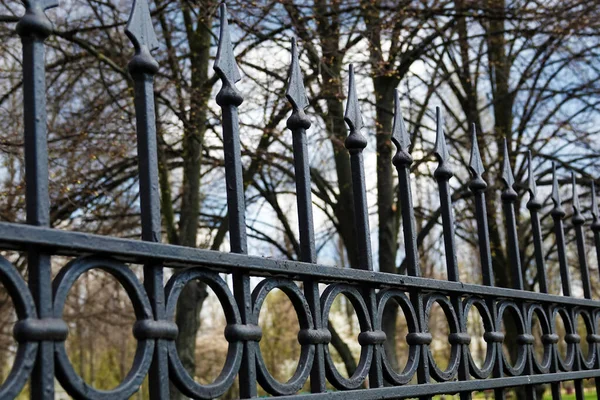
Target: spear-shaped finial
[509, 193]
[139, 28]
[35, 20]
[443, 171]
[578, 218]
[557, 210]
[296, 93]
[140, 31]
[225, 65]
[475, 163]
[533, 202]
[355, 141]
[595, 212]
[400, 136]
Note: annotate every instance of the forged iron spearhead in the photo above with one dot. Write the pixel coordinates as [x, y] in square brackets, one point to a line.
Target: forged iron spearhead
[531, 186]
[400, 136]
[533, 204]
[139, 27]
[225, 64]
[35, 20]
[555, 193]
[440, 149]
[595, 213]
[507, 174]
[577, 216]
[353, 117]
[296, 93]
[475, 162]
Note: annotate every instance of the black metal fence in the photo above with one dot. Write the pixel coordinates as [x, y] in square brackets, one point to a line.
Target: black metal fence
[41, 331]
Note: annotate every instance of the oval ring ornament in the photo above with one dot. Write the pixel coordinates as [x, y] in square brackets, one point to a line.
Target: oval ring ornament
[69, 379]
[450, 314]
[182, 379]
[307, 351]
[519, 366]
[542, 367]
[25, 310]
[364, 320]
[488, 325]
[589, 361]
[564, 364]
[413, 327]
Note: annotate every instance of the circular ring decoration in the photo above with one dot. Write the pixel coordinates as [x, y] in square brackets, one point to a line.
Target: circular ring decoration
[307, 351]
[547, 337]
[589, 361]
[65, 372]
[488, 325]
[452, 369]
[366, 353]
[519, 367]
[564, 365]
[410, 368]
[25, 309]
[182, 379]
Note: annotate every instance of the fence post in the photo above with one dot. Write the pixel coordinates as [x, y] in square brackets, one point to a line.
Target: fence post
[355, 143]
[298, 123]
[478, 187]
[34, 27]
[534, 206]
[142, 68]
[402, 161]
[229, 99]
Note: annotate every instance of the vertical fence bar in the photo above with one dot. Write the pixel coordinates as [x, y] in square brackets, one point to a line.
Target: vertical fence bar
[355, 143]
[33, 28]
[478, 186]
[534, 206]
[578, 221]
[509, 197]
[596, 230]
[298, 123]
[142, 68]
[229, 99]
[402, 161]
[442, 174]
[558, 213]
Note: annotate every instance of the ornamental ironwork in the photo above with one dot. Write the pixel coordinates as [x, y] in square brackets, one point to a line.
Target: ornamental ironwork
[41, 331]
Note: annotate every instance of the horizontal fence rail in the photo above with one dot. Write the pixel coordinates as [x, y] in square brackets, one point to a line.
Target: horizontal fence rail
[39, 304]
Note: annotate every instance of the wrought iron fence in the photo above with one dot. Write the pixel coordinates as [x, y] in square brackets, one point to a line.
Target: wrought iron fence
[41, 331]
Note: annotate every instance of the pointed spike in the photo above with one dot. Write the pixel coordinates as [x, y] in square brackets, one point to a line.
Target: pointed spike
[353, 116]
[440, 149]
[576, 203]
[595, 212]
[139, 27]
[555, 193]
[400, 136]
[296, 93]
[225, 64]
[507, 174]
[531, 186]
[475, 163]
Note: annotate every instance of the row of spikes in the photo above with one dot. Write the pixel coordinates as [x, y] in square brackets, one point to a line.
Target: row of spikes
[140, 31]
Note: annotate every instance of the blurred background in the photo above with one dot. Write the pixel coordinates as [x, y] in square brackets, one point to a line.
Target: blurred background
[523, 70]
